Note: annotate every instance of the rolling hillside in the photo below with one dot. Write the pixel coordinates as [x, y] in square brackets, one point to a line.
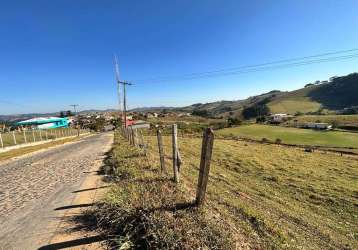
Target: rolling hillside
[334, 95]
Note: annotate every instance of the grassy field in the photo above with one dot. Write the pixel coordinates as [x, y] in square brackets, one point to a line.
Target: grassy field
[273, 196]
[337, 119]
[144, 209]
[293, 104]
[294, 135]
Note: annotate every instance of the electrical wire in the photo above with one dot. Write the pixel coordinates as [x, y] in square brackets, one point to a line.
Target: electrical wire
[287, 63]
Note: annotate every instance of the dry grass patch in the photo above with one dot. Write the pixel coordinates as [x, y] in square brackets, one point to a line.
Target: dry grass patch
[277, 197]
[146, 210]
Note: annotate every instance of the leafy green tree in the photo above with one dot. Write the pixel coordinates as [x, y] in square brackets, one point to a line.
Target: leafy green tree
[232, 121]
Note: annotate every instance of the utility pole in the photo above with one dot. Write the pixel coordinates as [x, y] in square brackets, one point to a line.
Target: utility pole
[74, 107]
[77, 120]
[124, 83]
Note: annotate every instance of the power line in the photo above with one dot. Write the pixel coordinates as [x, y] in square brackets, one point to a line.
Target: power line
[282, 66]
[287, 63]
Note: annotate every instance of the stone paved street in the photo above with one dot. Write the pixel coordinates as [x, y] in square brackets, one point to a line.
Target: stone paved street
[33, 186]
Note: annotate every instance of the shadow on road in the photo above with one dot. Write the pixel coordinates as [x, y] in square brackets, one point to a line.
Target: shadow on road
[75, 206]
[73, 243]
[89, 189]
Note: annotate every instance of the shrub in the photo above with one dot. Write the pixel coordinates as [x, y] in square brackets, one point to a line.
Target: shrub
[278, 141]
[264, 140]
[232, 121]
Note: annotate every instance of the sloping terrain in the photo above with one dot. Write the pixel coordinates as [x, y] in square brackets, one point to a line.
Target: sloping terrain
[259, 196]
[337, 94]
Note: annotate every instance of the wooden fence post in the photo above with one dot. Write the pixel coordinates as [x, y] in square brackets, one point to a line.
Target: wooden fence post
[161, 151]
[175, 152]
[33, 135]
[25, 139]
[205, 160]
[132, 136]
[46, 135]
[40, 134]
[13, 136]
[134, 132]
[2, 143]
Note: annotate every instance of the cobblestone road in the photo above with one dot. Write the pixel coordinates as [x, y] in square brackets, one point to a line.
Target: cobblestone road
[32, 186]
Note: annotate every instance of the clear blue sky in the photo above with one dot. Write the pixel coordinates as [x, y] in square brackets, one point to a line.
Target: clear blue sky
[55, 53]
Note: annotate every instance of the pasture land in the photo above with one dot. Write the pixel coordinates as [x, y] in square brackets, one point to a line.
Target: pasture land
[340, 120]
[292, 105]
[274, 196]
[294, 135]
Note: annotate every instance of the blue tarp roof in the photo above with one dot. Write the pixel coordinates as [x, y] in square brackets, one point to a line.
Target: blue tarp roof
[42, 120]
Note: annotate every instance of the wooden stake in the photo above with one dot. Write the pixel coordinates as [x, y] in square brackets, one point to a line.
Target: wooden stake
[134, 131]
[175, 153]
[33, 135]
[161, 151]
[13, 136]
[2, 143]
[205, 160]
[25, 140]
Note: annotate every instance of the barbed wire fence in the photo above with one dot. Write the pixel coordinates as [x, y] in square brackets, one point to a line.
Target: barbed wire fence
[135, 138]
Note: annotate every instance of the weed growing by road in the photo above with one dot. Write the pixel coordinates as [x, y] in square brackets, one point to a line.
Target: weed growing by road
[146, 210]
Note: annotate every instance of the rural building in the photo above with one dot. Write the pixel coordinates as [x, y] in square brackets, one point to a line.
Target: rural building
[45, 122]
[140, 124]
[278, 118]
[317, 125]
[151, 115]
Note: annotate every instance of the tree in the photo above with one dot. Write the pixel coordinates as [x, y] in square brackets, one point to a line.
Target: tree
[232, 121]
[62, 115]
[254, 111]
[203, 113]
[69, 113]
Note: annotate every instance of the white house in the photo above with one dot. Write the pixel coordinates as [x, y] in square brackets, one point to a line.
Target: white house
[278, 118]
[317, 125]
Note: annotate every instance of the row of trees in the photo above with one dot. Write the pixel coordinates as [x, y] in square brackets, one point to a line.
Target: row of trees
[66, 113]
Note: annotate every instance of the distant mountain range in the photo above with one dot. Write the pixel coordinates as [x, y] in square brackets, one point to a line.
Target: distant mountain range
[336, 94]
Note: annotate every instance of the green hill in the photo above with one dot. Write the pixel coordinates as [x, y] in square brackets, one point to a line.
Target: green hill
[334, 95]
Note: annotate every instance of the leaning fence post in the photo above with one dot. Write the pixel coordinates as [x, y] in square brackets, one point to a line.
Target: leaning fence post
[206, 152]
[13, 136]
[161, 150]
[25, 139]
[40, 135]
[2, 143]
[175, 152]
[46, 135]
